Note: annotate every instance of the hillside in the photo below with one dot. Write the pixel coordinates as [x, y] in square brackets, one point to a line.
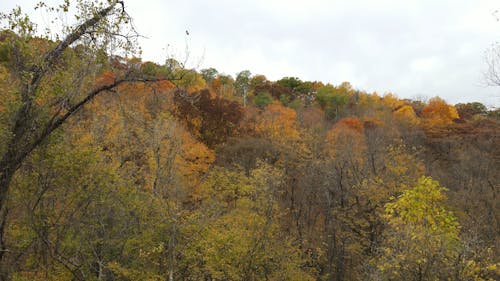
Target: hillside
[113, 168]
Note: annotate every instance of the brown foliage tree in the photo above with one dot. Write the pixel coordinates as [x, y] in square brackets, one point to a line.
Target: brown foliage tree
[212, 119]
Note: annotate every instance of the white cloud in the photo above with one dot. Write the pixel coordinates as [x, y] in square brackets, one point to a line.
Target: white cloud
[426, 65]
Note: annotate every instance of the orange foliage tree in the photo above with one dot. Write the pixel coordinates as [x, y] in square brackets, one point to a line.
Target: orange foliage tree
[347, 136]
[438, 112]
[278, 123]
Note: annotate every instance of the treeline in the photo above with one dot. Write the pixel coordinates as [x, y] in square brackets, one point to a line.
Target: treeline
[176, 174]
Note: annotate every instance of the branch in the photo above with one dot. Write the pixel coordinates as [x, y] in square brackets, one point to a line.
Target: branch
[55, 53]
[21, 120]
[55, 123]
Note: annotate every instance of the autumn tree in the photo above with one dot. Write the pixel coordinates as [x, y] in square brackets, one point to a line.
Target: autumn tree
[279, 124]
[438, 112]
[71, 212]
[423, 236]
[424, 240]
[211, 118]
[406, 114]
[244, 241]
[55, 80]
[468, 110]
[112, 168]
[43, 101]
[258, 80]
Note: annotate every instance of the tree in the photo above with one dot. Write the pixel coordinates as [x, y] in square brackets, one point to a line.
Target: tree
[347, 138]
[422, 241]
[71, 212]
[332, 99]
[406, 114]
[468, 110]
[492, 74]
[209, 74]
[55, 80]
[263, 99]
[212, 118]
[244, 241]
[258, 80]
[294, 86]
[222, 85]
[242, 84]
[438, 112]
[278, 124]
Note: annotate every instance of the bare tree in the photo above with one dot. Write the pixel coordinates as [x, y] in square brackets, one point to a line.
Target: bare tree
[492, 73]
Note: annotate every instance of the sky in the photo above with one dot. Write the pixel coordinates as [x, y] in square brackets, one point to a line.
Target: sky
[413, 48]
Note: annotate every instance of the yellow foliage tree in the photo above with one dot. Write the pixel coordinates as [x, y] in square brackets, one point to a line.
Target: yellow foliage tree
[422, 238]
[406, 114]
[243, 240]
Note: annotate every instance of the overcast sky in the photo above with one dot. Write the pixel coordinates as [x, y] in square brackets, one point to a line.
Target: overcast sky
[412, 48]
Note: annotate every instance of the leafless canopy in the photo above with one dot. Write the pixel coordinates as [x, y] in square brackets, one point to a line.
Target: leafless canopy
[492, 73]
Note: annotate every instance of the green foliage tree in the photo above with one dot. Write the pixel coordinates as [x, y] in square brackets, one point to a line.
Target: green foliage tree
[263, 99]
[290, 82]
[242, 84]
[209, 74]
[468, 110]
[332, 99]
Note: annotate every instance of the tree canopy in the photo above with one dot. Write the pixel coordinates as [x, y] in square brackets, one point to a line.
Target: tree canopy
[115, 168]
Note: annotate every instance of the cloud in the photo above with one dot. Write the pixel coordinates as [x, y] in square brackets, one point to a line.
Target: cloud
[410, 48]
[426, 65]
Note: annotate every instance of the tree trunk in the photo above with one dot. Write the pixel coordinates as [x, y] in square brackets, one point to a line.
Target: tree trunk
[8, 167]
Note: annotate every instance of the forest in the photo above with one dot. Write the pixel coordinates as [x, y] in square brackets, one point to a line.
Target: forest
[115, 168]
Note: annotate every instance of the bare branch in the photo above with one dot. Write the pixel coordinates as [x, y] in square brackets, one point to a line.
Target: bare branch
[55, 53]
[492, 74]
